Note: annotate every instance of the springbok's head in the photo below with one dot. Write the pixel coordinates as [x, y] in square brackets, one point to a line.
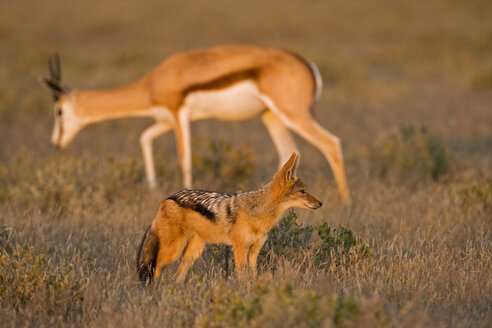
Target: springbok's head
[67, 123]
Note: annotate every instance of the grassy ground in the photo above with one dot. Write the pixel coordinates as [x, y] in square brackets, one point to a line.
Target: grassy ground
[408, 88]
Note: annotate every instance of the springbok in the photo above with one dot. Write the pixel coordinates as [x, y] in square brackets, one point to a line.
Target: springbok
[229, 83]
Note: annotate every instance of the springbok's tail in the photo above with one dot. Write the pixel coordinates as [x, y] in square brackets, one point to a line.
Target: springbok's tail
[318, 79]
[147, 256]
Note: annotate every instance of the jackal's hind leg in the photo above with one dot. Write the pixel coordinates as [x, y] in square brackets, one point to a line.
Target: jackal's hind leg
[193, 251]
[168, 253]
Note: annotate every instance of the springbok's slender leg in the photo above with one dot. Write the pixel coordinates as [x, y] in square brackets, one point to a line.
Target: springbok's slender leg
[282, 139]
[146, 139]
[326, 142]
[183, 141]
[330, 146]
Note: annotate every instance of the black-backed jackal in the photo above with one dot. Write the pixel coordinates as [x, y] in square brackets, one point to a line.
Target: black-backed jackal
[189, 219]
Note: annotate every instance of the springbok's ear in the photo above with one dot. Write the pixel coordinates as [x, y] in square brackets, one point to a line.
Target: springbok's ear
[56, 89]
[288, 172]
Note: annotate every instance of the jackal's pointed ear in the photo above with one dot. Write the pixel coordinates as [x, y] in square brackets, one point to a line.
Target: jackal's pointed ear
[288, 172]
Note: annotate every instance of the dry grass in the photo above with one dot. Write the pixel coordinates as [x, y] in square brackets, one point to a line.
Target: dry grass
[422, 201]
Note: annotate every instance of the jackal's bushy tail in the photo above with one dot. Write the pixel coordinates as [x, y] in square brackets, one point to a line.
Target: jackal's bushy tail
[147, 256]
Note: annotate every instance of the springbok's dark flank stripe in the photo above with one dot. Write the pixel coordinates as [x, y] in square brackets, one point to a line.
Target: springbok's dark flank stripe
[224, 81]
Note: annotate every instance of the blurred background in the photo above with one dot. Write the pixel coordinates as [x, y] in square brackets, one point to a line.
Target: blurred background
[385, 64]
[407, 88]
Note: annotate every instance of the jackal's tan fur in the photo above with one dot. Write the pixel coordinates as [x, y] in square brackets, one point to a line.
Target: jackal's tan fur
[189, 219]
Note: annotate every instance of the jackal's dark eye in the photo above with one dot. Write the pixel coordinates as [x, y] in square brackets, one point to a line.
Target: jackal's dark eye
[302, 191]
[59, 112]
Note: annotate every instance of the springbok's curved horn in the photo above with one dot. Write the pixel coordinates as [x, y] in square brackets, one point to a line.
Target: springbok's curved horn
[54, 81]
[55, 67]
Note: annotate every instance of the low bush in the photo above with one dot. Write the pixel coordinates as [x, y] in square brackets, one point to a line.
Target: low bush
[270, 305]
[68, 181]
[479, 193]
[290, 237]
[414, 155]
[28, 279]
[222, 166]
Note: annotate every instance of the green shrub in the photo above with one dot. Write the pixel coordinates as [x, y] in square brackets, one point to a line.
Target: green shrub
[68, 181]
[5, 233]
[346, 308]
[340, 238]
[289, 236]
[269, 305]
[414, 155]
[479, 193]
[30, 279]
[223, 167]
[232, 305]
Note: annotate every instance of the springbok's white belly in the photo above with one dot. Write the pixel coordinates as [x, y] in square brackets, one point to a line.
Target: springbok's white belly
[238, 102]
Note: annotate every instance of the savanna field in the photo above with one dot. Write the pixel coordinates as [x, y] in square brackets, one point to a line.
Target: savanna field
[407, 88]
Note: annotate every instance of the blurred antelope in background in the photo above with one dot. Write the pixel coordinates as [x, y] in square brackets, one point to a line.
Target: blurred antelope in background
[229, 83]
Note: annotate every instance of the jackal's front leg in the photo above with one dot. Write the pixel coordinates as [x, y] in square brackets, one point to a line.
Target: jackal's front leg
[240, 257]
[254, 250]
